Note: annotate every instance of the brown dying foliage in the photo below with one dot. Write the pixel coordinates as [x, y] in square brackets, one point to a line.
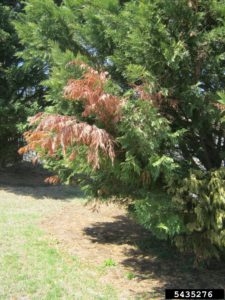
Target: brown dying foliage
[52, 179]
[220, 106]
[90, 90]
[55, 132]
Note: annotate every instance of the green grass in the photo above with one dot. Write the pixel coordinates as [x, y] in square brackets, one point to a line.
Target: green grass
[31, 265]
[109, 263]
[130, 275]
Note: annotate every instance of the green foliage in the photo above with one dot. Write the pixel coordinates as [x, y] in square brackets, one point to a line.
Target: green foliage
[20, 93]
[200, 200]
[159, 214]
[147, 142]
[59, 75]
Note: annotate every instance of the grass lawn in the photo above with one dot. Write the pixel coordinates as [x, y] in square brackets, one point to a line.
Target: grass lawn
[31, 265]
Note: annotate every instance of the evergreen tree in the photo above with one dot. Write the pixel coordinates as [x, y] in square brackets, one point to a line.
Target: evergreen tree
[20, 93]
[166, 65]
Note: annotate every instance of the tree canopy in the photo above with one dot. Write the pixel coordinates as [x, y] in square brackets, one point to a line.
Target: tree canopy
[21, 95]
[142, 83]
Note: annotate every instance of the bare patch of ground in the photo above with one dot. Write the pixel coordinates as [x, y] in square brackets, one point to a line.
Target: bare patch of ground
[100, 238]
[144, 266]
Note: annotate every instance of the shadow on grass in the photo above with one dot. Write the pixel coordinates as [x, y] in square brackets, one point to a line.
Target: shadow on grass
[28, 180]
[154, 259]
[59, 192]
